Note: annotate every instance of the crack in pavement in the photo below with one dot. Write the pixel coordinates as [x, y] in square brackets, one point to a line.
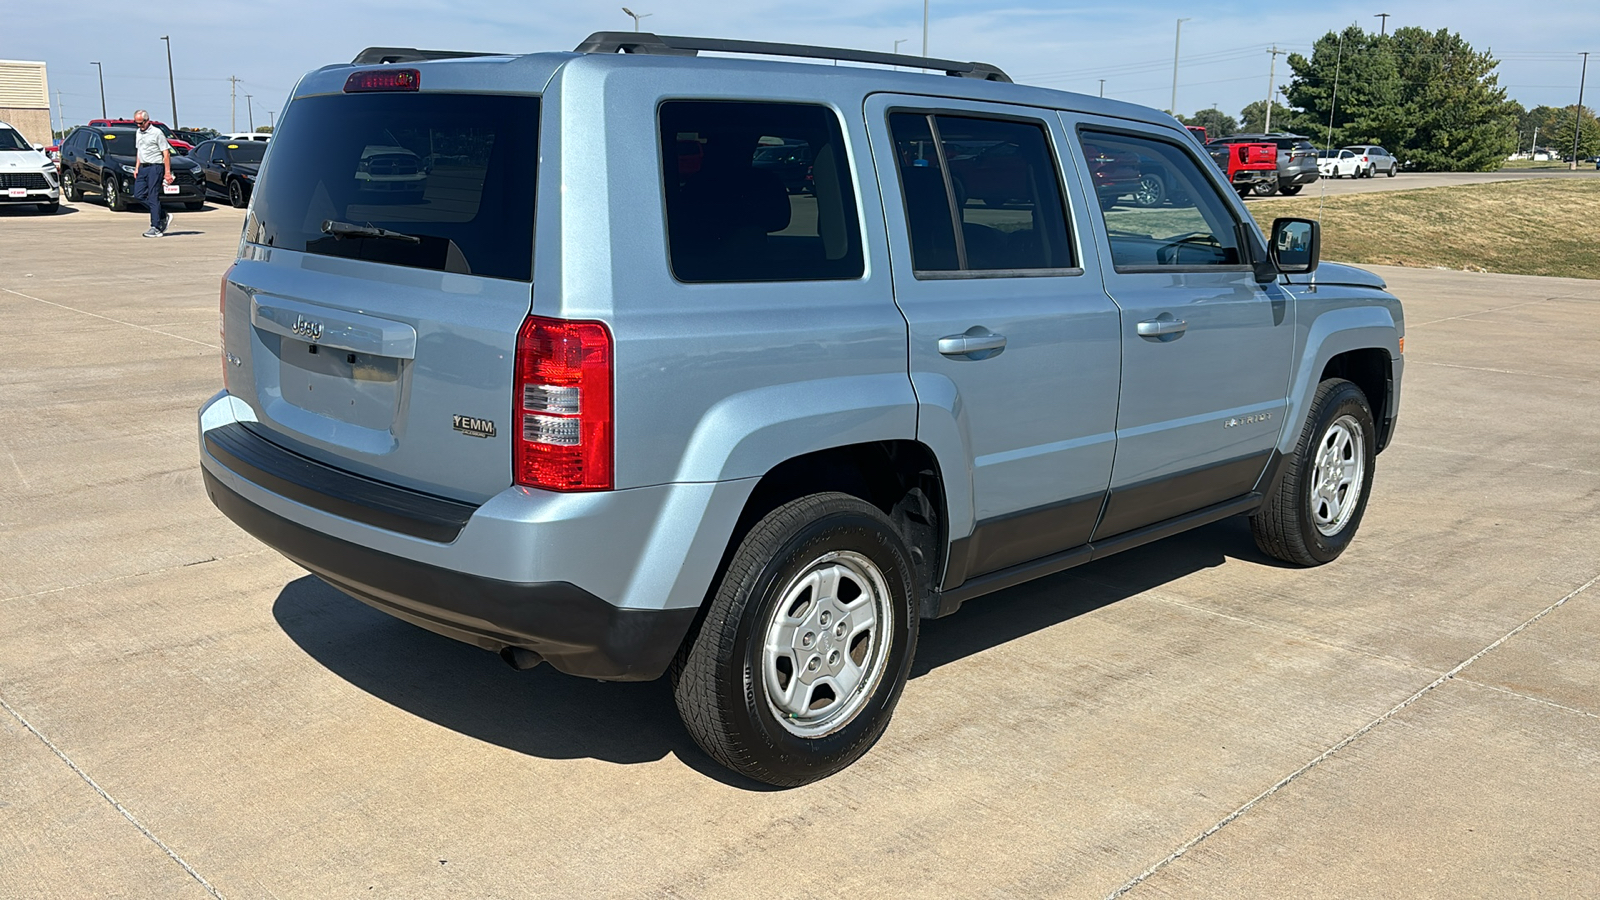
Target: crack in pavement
[1286, 780]
[165, 848]
[109, 319]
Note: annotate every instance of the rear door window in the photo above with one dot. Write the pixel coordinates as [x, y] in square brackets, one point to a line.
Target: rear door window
[1192, 228]
[427, 180]
[757, 192]
[981, 195]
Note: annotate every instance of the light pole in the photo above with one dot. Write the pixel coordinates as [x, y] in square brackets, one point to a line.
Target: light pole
[1577, 114]
[898, 43]
[924, 27]
[1383, 28]
[1177, 37]
[636, 17]
[250, 112]
[171, 85]
[102, 69]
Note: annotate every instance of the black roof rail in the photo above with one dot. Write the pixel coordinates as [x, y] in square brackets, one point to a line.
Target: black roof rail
[375, 55]
[676, 45]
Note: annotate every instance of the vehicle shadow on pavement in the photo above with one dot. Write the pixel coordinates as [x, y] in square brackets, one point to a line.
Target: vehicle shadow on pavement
[554, 716]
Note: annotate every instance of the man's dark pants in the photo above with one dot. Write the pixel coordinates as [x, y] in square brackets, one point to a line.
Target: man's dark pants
[147, 190]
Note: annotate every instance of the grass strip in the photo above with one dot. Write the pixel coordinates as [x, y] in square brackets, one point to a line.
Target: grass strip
[1533, 227]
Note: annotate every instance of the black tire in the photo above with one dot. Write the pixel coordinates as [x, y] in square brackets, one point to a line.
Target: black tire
[70, 191]
[49, 209]
[1290, 190]
[237, 198]
[1391, 171]
[1244, 191]
[1265, 188]
[1291, 525]
[116, 201]
[1107, 201]
[724, 679]
[1151, 193]
[195, 205]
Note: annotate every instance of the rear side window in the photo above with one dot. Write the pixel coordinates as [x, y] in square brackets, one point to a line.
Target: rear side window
[757, 192]
[427, 181]
[981, 195]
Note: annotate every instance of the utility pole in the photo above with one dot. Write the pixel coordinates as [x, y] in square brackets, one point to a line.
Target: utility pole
[250, 110]
[233, 103]
[1272, 76]
[1177, 37]
[1102, 87]
[102, 69]
[270, 116]
[1577, 114]
[1535, 148]
[171, 85]
[1383, 29]
[924, 27]
[61, 114]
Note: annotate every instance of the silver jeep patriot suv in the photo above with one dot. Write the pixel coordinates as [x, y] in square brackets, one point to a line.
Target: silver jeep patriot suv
[735, 369]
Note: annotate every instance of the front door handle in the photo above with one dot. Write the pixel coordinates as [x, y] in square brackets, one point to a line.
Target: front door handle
[976, 342]
[1163, 327]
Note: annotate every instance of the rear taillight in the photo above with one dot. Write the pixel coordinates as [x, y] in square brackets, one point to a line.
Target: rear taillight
[562, 439]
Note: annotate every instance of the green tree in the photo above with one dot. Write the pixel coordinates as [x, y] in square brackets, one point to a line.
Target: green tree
[1544, 119]
[1561, 133]
[1216, 122]
[1426, 96]
[1253, 117]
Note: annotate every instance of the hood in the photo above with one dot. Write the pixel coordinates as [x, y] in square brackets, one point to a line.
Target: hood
[1339, 273]
[29, 160]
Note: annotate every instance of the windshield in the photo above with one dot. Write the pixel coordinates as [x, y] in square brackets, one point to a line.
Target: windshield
[456, 171]
[246, 151]
[10, 140]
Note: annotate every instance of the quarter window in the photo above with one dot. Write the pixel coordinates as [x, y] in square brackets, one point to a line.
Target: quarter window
[758, 192]
[980, 194]
[1190, 225]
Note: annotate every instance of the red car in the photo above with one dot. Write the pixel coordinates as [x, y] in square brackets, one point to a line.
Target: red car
[1246, 165]
[181, 146]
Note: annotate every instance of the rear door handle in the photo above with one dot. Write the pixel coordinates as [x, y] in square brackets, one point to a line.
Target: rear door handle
[976, 342]
[1162, 326]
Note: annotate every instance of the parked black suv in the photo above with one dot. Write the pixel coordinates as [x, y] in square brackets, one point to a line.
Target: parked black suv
[228, 168]
[100, 160]
[1297, 160]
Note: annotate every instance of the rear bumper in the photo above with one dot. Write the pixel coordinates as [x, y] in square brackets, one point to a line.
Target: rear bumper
[572, 629]
[1254, 176]
[1305, 176]
[602, 585]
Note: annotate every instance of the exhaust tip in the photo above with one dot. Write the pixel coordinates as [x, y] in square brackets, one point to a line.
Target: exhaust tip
[520, 658]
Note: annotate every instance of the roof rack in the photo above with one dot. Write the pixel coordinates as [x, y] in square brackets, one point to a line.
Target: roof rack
[375, 55]
[674, 45]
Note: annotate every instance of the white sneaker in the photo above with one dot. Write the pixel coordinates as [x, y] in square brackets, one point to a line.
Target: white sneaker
[154, 232]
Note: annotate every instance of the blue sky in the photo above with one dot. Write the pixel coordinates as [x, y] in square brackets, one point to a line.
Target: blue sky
[1224, 62]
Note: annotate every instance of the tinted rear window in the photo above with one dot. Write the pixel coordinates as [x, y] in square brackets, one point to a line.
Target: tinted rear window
[454, 171]
[245, 151]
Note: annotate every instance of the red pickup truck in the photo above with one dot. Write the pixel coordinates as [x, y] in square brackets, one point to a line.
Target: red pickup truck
[1246, 165]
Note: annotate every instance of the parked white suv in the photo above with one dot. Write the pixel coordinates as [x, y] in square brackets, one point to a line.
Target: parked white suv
[27, 174]
[1374, 159]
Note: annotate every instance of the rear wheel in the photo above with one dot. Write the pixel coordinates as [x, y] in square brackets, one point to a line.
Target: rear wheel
[806, 644]
[1313, 511]
[1151, 192]
[236, 194]
[116, 201]
[1289, 190]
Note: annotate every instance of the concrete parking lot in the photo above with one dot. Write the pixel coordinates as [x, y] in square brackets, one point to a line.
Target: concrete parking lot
[1411, 181]
[186, 714]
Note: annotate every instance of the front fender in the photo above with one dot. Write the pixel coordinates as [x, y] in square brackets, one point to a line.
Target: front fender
[1331, 333]
[748, 433]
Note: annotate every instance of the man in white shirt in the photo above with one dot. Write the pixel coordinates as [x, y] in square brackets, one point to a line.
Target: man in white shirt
[152, 170]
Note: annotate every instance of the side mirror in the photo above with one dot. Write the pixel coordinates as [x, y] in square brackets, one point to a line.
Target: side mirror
[1296, 245]
[39, 147]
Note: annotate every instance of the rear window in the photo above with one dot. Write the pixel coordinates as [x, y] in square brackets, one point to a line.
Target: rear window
[245, 151]
[428, 181]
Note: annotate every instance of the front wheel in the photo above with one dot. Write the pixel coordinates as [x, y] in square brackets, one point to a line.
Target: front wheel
[1392, 171]
[1290, 190]
[116, 201]
[1311, 514]
[69, 188]
[806, 644]
[50, 208]
[194, 205]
